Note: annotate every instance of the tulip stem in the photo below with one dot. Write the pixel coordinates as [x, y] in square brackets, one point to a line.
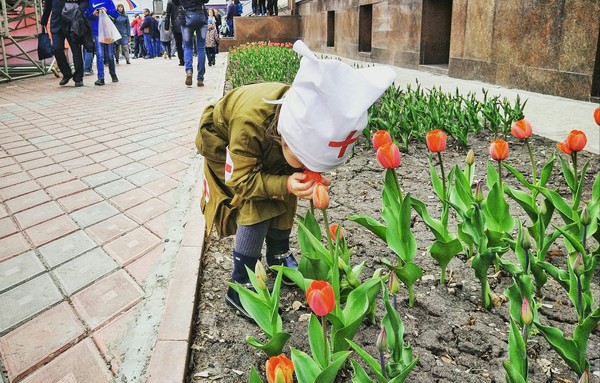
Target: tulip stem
[525, 334]
[335, 272]
[325, 346]
[411, 296]
[500, 174]
[443, 174]
[382, 363]
[397, 183]
[532, 159]
[574, 158]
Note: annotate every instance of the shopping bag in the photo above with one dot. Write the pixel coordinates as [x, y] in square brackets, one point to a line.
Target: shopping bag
[107, 32]
[45, 50]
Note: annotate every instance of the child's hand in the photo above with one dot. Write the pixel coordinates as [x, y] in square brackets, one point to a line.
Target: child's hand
[297, 187]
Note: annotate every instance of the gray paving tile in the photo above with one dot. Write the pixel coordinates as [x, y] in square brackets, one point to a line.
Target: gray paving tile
[83, 270]
[66, 248]
[19, 269]
[94, 214]
[138, 137]
[114, 188]
[129, 169]
[149, 143]
[26, 300]
[37, 140]
[145, 176]
[141, 154]
[100, 178]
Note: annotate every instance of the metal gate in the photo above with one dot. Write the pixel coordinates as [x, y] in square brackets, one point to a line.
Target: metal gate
[18, 40]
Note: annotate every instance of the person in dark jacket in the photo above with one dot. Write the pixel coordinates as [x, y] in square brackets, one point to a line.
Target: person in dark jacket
[61, 29]
[146, 28]
[173, 23]
[231, 13]
[156, 35]
[122, 24]
[196, 18]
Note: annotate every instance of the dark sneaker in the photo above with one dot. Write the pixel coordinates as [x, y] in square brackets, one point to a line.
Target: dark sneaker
[200, 83]
[65, 80]
[287, 260]
[233, 299]
[78, 83]
[99, 82]
[114, 78]
[188, 79]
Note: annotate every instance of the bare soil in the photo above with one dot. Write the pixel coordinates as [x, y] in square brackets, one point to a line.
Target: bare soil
[455, 339]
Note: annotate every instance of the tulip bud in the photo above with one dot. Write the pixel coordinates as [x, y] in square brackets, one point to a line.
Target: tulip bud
[382, 343]
[578, 265]
[478, 195]
[521, 129]
[526, 313]
[526, 240]
[320, 297]
[498, 150]
[279, 369]
[470, 160]
[394, 283]
[585, 377]
[380, 138]
[564, 147]
[320, 196]
[586, 219]
[436, 141]
[388, 155]
[261, 275]
[333, 229]
[576, 140]
[597, 115]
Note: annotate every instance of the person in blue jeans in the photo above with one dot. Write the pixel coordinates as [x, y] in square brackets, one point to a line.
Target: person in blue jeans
[93, 13]
[146, 28]
[196, 18]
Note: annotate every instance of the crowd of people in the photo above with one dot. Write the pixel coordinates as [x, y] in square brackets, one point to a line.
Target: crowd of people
[186, 29]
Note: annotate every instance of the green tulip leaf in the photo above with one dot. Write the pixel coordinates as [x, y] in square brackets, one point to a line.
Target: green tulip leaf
[256, 307]
[498, 217]
[254, 377]
[317, 342]
[295, 276]
[329, 374]
[305, 368]
[567, 349]
[273, 347]
[517, 353]
[373, 225]
[369, 360]
[435, 225]
[360, 375]
[443, 252]
[567, 172]
[525, 200]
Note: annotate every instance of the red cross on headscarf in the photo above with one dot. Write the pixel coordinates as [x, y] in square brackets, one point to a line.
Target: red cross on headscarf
[344, 144]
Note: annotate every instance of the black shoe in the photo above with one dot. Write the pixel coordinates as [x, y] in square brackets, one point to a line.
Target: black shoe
[114, 78]
[65, 80]
[78, 83]
[181, 64]
[287, 260]
[100, 81]
[233, 299]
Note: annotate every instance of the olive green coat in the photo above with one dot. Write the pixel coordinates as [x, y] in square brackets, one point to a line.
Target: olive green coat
[255, 188]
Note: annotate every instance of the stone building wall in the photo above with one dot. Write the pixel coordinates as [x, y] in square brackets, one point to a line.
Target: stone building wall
[546, 46]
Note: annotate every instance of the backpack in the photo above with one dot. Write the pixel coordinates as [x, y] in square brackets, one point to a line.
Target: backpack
[240, 9]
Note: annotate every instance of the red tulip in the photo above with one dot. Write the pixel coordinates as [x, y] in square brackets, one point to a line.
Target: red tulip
[279, 369]
[521, 129]
[389, 155]
[436, 141]
[597, 115]
[310, 175]
[498, 150]
[320, 297]
[380, 138]
[564, 147]
[333, 229]
[320, 196]
[576, 140]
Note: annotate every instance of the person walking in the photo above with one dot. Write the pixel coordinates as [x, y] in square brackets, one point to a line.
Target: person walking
[138, 36]
[156, 35]
[257, 140]
[93, 13]
[272, 7]
[173, 24]
[212, 41]
[146, 28]
[122, 24]
[165, 36]
[231, 13]
[60, 27]
[196, 18]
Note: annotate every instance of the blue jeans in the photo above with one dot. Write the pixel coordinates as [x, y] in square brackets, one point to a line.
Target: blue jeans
[87, 60]
[193, 24]
[110, 54]
[149, 43]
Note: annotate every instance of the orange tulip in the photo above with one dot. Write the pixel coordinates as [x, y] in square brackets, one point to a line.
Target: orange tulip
[498, 150]
[564, 147]
[310, 175]
[576, 140]
[320, 196]
[436, 141]
[333, 229]
[320, 297]
[380, 138]
[521, 129]
[279, 369]
[389, 155]
[597, 115]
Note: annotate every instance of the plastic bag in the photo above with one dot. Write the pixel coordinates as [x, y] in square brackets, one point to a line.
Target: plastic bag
[107, 32]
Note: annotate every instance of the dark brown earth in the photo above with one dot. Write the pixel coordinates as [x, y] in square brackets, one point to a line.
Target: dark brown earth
[455, 339]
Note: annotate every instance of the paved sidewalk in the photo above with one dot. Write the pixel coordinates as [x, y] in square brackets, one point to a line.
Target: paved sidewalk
[100, 228]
